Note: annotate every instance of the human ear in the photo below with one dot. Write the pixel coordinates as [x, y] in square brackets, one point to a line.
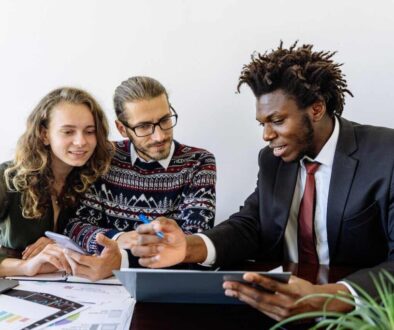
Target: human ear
[44, 136]
[121, 128]
[318, 110]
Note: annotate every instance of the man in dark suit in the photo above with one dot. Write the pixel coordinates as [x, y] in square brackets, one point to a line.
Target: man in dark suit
[325, 190]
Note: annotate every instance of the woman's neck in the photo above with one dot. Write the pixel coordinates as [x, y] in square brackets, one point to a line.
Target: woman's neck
[60, 174]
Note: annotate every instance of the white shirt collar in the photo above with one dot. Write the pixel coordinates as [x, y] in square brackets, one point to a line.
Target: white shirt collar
[327, 153]
[163, 162]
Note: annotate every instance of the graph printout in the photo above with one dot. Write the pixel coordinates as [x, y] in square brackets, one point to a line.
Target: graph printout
[62, 307]
[18, 314]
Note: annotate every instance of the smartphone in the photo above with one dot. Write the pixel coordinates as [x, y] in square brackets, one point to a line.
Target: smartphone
[65, 241]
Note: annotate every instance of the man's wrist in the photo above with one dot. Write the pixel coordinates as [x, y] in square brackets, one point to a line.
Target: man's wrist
[117, 235]
[196, 250]
[336, 305]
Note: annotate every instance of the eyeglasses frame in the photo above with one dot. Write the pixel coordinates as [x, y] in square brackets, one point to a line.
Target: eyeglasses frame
[175, 114]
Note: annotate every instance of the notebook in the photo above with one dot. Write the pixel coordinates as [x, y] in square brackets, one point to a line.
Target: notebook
[6, 285]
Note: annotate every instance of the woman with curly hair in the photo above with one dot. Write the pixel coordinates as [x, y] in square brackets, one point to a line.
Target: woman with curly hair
[64, 149]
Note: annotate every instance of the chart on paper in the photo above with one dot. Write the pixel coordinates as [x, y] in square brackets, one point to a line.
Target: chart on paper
[17, 314]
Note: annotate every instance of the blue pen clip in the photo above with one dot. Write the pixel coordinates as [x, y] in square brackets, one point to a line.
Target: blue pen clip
[145, 220]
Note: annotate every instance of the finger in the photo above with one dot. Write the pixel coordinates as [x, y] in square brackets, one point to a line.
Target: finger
[34, 251]
[280, 301]
[78, 268]
[108, 243]
[271, 284]
[145, 229]
[164, 224]
[146, 251]
[27, 252]
[160, 224]
[148, 239]
[47, 257]
[150, 262]
[254, 297]
[57, 253]
[73, 264]
[78, 258]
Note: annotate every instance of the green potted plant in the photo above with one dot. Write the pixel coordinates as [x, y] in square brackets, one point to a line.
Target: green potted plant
[369, 313]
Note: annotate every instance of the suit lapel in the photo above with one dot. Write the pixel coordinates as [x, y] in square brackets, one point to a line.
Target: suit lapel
[283, 191]
[343, 170]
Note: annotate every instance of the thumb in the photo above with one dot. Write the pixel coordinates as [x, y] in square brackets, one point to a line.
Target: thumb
[105, 241]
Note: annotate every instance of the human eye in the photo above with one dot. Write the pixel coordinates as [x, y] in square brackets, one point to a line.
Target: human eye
[67, 132]
[91, 131]
[278, 121]
[144, 126]
[166, 122]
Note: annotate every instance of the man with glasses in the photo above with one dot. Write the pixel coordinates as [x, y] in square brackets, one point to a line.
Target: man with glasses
[151, 175]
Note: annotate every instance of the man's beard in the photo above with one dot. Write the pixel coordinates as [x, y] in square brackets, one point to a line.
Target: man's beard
[306, 140]
[145, 150]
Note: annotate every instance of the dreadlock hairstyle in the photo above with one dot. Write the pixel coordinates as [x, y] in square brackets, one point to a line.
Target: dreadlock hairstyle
[306, 75]
[30, 173]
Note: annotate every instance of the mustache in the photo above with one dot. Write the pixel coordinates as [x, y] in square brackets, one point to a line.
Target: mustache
[159, 143]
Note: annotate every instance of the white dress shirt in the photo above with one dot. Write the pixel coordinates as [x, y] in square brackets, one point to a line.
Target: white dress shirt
[322, 179]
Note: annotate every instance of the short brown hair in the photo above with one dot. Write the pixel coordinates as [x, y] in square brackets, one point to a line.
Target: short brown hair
[136, 89]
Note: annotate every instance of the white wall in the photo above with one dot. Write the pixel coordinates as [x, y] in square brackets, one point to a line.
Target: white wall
[196, 49]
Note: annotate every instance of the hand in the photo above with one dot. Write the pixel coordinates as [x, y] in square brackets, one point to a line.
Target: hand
[127, 240]
[35, 248]
[281, 300]
[156, 252]
[96, 267]
[49, 260]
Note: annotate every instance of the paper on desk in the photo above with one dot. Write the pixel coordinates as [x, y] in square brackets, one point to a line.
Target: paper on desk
[63, 277]
[18, 313]
[86, 294]
[113, 316]
[111, 307]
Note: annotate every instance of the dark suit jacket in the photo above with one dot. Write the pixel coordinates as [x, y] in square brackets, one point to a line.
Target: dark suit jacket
[360, 210]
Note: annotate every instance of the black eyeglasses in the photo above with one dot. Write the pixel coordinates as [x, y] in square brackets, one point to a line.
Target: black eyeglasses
[146, 129]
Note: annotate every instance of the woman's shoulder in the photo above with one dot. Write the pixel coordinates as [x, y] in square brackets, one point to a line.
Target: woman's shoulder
[5, 165]
[4, 194]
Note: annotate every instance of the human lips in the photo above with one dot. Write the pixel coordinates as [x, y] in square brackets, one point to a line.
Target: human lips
[159, 144]
[78, 153]
[278, 150]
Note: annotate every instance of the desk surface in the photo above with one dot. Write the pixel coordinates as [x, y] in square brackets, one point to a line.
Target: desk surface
[152, 316]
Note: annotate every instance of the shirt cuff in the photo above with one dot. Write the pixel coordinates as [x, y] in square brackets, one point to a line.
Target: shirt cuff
[353, 292]
[211, 251]
[125, 259]
[115, 237]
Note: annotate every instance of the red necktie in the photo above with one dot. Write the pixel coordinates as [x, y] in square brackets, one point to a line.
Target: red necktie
[306, 238]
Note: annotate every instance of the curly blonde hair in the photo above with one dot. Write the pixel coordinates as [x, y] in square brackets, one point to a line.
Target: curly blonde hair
[30, 173]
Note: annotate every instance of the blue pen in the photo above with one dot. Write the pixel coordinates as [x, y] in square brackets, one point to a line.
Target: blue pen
[145, 220]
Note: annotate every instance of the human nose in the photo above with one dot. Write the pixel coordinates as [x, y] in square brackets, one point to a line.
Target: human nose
[80, 139]
[268, 133]
[158, 134]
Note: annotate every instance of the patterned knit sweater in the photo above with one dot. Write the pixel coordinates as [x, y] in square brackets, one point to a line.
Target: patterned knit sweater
[185, 192]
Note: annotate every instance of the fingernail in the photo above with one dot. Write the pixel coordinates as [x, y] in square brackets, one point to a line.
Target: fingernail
[229, 293]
